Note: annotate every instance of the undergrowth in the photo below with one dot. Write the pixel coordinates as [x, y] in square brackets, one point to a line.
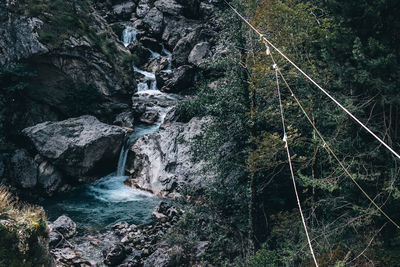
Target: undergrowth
[23, 233]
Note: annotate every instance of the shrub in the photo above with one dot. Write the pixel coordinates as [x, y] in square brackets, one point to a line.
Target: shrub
[23, 233]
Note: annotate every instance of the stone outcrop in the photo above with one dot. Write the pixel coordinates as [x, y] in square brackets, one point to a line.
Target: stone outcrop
[114, 255]
[181, 80]
[154, 21]
[124, 10]
[161, 162]
[64, 226]
[199, 53]
[80, 147]
[19, 38]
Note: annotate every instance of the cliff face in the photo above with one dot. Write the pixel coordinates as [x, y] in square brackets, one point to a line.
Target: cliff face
[67, 57]
[61, 60]
[57, 60]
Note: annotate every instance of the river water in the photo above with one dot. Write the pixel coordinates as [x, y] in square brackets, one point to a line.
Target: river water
[108, 200]
[99, 205]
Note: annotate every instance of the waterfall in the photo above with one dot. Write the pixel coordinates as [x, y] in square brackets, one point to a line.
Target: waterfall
[169, 55]
[122, 160]
[148, 77]
[129, 35]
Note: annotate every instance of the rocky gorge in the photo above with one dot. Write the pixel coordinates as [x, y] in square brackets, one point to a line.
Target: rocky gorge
[91, 108]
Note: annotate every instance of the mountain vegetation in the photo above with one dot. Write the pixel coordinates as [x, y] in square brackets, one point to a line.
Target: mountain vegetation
[350, 49]
[76, 102]
[23, 233]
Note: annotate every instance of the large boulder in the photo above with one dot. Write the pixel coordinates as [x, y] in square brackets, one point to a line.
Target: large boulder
[29, 173]
[170, 7]
[176, 28]
[142, 8]
[64, 226]
[184, 46]
[154, 21]
[161, 162]
[157, 64]
[124, 10]
[182, 79]
[114, 255]
[19, 37]
[199, 53]
[80, 147]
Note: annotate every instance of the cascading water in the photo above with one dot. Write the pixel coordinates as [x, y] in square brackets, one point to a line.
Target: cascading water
[148, 77]
[129, 35]
[108, 200]
[169, 55]
[97, 206]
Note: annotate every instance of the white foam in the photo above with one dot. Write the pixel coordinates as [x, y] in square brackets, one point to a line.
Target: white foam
[129, 35]
[112, 189]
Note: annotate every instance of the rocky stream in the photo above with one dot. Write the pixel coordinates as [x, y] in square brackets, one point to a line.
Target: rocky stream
[107, 180]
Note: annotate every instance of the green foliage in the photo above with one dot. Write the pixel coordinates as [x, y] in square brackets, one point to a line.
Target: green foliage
[264, 258]
[23, 231]
[359, 65]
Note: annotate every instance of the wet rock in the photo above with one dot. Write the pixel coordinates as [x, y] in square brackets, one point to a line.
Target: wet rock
[65, 256]
[151, 43]
[124, 10]
[149, 117]
[157, 64]
[170, 7]
[182, 79]
[162, 77]
[164, 211]
[64, 225]
[80, 146]
[161, 162]
[171, 117]
[115, 255]
[140, 51]
[154, 21]
[139, 108]
[199, 53]
[125, 119]
[24, 169]
[55, 239]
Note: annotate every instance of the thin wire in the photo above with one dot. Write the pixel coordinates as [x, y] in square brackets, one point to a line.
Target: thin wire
[315, 83]
[291, 167]
[329, 149]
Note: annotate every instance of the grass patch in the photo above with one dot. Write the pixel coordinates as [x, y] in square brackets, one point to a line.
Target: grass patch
[23, 233]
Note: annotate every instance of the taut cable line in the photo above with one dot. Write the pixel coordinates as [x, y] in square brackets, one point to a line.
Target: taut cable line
[285, 139]
[329, 149]
[314, 82]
